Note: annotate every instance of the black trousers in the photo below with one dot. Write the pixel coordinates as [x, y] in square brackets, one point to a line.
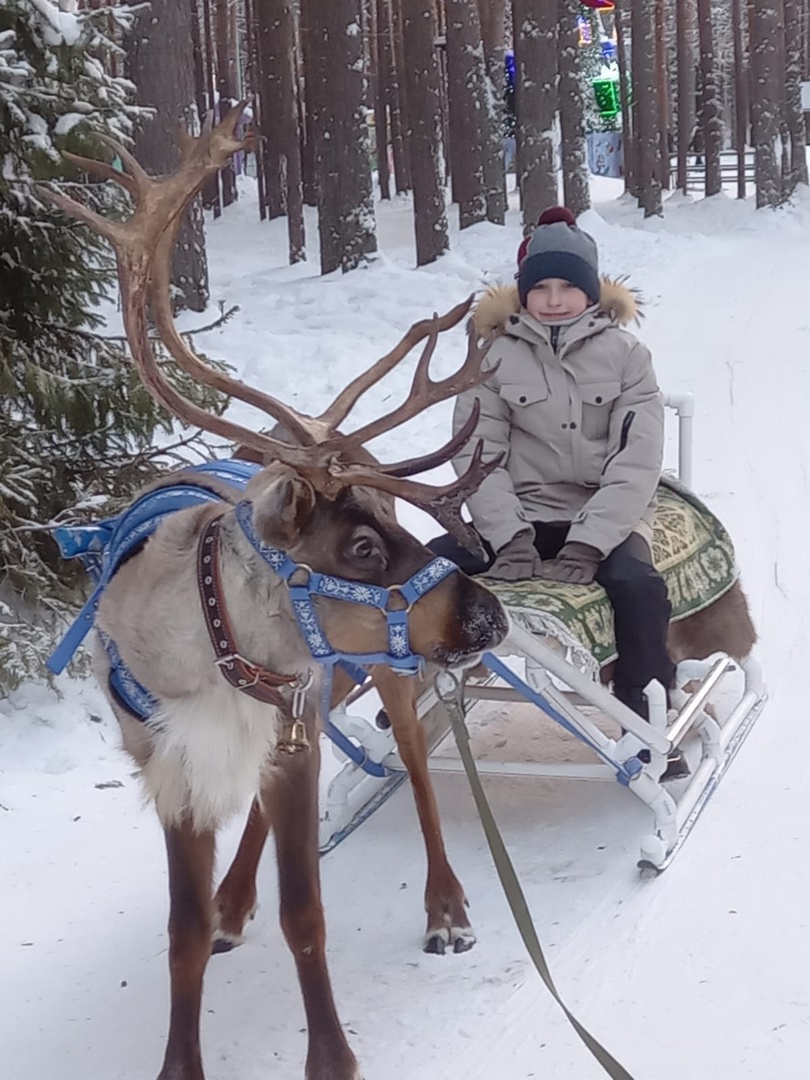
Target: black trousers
[637, 593]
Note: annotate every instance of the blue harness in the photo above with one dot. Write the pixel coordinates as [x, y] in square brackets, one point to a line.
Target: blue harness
[103, 547]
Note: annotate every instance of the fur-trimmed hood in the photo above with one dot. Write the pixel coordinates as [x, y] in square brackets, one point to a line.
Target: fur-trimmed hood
[616, 299]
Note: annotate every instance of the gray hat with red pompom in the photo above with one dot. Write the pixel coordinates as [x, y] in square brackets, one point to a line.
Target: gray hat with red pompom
[558, 249]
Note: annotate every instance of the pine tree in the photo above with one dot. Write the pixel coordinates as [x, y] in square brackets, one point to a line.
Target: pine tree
[709, 118]
[161, 64]
[469, 117]
[645, 106]
[424, 97]
[537, 99]
[76, 426]
[766, 30]
[346, 221]
[576, 191]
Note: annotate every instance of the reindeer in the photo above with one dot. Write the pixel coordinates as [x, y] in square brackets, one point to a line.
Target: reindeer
[233, 614]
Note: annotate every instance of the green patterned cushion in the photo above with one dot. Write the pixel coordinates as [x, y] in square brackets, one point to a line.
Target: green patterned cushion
[691, 549]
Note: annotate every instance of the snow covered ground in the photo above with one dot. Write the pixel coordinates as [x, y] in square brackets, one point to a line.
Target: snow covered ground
[702, 972]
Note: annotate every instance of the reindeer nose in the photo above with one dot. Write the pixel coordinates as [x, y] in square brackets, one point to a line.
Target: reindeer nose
[484, 622]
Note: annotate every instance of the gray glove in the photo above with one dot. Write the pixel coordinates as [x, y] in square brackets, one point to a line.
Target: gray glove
[576, 564]
[516, 561]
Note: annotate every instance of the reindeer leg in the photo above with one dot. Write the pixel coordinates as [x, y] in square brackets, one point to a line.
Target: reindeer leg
[235, 900]
[291, 798]
[445, 902]
[191, 866]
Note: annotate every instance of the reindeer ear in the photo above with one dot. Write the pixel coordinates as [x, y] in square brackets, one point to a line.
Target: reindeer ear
[283, 509]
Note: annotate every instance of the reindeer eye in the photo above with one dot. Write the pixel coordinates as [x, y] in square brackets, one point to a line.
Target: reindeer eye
[367, 550]
[364, 548]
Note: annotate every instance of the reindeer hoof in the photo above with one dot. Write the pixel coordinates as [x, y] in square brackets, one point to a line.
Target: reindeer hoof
[435, 943]
[223, 942]
[228, 936]
[221, 945]
[464, 941]
[462, 938]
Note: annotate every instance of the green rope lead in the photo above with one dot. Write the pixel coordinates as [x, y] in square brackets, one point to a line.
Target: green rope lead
[453, 702]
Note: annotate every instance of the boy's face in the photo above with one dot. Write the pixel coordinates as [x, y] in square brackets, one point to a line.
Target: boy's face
[554, 299]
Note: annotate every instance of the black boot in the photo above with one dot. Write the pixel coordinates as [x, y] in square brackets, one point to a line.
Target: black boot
[633, 697]
[677, 766]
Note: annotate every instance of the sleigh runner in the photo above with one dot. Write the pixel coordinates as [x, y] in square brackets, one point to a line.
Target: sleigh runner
[561, 640]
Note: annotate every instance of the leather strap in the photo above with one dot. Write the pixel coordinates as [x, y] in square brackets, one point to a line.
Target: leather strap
[251, 679]
[451, 693]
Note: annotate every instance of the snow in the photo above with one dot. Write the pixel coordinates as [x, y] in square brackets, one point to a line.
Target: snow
[701, 972]
[60, 27]
[66, 123]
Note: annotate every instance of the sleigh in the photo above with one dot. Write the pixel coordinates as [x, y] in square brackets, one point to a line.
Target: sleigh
[556, 660]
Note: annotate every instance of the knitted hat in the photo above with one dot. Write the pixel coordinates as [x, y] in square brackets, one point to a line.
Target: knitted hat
[558, 249]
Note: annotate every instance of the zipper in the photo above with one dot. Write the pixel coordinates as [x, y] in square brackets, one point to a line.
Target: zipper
[627, 423]
[555, 336]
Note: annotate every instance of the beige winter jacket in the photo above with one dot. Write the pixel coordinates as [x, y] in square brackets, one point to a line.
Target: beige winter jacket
[577, 411]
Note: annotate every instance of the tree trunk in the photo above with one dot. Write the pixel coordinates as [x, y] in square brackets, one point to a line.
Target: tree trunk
[491, 14]
[204, 97]
[424, 103]
[252, 84]
[468, 113]
[399, 102]
[645, 105]
[273, 110]
[200, 95]
[441, 28]
[535, 23]
[764, 29]
[161, 64]
[382, 90]
[793, 90]
[310, 104]
[626, 90]
[740, 92]
[685, 27]
[345, 201]
[226, 87]
[210, 192]
[663, 94]
[576, 192]
[784, 130]
[710, 121]
[278, 89]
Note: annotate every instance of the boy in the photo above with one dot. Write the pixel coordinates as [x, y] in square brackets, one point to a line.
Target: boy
[575, 409]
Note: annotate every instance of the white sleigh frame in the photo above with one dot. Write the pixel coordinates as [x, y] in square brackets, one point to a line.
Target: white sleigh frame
[525, 668]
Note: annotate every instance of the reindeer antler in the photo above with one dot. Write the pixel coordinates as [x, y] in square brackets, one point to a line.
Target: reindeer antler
[143, 245]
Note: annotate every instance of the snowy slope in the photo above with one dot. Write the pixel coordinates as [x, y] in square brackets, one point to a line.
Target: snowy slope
[702, 972]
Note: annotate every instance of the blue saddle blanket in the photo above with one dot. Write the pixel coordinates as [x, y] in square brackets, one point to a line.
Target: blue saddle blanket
[103, 546]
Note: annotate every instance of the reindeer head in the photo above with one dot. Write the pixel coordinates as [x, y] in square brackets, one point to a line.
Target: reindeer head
[322, 498]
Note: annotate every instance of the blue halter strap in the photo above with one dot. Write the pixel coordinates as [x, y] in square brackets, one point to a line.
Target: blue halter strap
[400, 656]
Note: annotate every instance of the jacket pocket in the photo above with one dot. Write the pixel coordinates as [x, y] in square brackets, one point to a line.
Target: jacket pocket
[600, 393]
[521, 395]
[597, 401]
